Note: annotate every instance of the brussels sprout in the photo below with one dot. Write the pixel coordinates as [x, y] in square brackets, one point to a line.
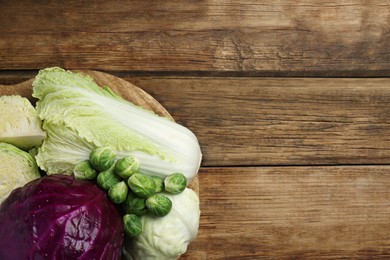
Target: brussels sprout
[118, 192]
[84, 171]
[142, 185]
[132, 224]
[159, 184]
[175, 183]
[102, 158]
[134, 204]
[158, 204]
[107, 179]
[126, 166]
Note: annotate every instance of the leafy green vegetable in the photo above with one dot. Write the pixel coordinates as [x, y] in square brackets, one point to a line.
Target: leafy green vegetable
[159, 184]
[132, 225]
[175, 183]
[80, 116]
[126, 166]
[118, 192]
[134, 204]
[142, 185]
[84, 171]
[102, 158]
[158, 204]
[106, 179]
[17, 168]
[19, 123]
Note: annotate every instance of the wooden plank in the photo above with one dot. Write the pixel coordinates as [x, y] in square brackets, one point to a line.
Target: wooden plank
[280, 121]
[338, 38]
[15, 77]
[294, 213]
[274, 121]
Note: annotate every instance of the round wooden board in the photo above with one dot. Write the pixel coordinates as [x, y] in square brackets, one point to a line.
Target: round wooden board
[118, 85]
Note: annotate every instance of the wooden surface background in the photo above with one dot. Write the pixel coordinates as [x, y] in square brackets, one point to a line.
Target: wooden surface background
[290, 101]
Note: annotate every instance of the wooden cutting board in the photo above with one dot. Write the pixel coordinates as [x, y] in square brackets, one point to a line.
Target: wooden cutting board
[122, 87]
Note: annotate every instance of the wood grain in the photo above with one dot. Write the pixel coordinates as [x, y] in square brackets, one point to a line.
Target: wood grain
[278, 121]
[288, 37]
[294, 213]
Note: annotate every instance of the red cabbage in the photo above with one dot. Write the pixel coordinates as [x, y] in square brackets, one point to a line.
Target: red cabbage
[58, 217]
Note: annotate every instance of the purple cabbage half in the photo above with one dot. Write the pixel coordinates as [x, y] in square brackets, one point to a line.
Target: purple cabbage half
[58, 217]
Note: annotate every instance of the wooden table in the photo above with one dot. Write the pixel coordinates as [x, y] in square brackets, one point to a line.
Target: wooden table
[289, 100]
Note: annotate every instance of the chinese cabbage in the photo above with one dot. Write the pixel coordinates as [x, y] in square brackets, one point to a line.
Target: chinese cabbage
[79, 115]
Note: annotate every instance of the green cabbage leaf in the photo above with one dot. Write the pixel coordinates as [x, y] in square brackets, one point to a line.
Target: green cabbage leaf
[17, 168]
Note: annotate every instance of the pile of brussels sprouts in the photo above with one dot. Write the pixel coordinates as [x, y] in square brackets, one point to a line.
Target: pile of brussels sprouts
[138, 194]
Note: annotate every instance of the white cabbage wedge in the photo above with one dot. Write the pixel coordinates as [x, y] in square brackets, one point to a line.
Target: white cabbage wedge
[19, 123]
